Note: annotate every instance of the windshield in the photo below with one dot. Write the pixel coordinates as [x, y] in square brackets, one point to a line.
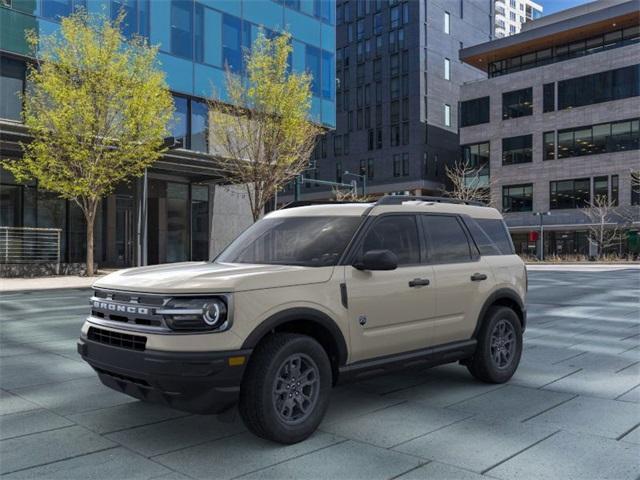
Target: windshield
[305, 241]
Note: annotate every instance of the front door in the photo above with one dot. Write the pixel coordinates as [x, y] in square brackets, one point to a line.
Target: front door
[124, 231]
[461, 278]
[390, 311]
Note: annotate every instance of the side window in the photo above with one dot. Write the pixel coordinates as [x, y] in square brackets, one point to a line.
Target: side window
[446, 239]
[485, 244]
[398, 233]
[498, 233]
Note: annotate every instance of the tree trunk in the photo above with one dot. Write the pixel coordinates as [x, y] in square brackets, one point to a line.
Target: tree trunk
[90, 223]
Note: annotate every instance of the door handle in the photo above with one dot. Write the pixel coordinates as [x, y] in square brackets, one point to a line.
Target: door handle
[419, 282]
[478, 277]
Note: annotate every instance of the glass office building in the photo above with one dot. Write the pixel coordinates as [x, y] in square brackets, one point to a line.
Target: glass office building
[198, 40]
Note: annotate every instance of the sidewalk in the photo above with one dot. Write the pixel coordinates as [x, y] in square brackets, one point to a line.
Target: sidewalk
[47, 283]
[584, 267]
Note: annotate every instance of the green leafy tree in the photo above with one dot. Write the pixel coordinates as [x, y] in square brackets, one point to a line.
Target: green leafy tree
[97, 107]
[261, 131]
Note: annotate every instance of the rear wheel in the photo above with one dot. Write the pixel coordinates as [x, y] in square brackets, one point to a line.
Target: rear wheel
[499, 346]
[286, 388]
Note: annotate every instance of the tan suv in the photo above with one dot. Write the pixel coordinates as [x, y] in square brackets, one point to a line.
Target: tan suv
[310, 296]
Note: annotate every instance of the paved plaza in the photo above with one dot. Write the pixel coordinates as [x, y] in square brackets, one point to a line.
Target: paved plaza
[572, 411]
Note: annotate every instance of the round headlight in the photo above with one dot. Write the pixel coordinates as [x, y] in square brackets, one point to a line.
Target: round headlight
[214, 313]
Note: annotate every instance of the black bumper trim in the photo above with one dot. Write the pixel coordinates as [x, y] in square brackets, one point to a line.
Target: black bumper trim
[196, 382]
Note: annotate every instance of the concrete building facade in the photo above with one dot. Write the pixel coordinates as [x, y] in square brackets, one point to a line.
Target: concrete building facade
[511, 15]
[559, 122]
[398, 77]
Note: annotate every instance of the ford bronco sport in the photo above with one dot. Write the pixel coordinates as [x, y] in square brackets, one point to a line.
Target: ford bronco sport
[309, 296]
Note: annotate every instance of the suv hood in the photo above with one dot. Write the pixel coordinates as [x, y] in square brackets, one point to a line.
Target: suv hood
[205, 277]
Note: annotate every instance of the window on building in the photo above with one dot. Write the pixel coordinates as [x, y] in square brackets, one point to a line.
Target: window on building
[377, 23]
[12, 78]
[56, 9]
[136, 19]
[635, 188]
[370, 140]
[474, 112]
[339, 172]
[599, 87]
[179, 125]
[447, 23]
[345, 143]
[395, 135]
[328, 75]
[602, 138]
[199, 126]
[447, 115]
[312, 62]
[360, 29]
[397, 166]
[405, 133]
[394, 65]
[477, 156]
[615, 190]
[394, 87]
[182, 28]
[337, 145]
[601, 188]
[516, 150]
[570, 193]
[405, 165]
[549, 145]
[370, 168]
[231, 43]
[517, 103]
[447, 69]
[549, 97]
[517, 198]
[378, 139]
[394, 16]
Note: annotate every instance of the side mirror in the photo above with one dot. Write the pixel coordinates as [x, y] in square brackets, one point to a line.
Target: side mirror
[377, 260]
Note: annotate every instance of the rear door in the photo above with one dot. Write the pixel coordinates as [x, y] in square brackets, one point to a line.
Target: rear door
[390, 311]
[462, 277]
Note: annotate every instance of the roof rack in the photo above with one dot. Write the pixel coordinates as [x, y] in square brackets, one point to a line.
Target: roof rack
[306, 203]
[398, 199]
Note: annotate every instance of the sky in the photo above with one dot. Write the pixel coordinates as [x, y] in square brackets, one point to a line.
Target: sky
[553, 6]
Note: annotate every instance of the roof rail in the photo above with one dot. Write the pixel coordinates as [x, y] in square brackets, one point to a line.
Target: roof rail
[306, 203]
[398, 199]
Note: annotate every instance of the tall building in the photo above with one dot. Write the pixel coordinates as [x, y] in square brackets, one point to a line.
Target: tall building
[511, 15]
[398, 79]
[176, 213]
[556, 123]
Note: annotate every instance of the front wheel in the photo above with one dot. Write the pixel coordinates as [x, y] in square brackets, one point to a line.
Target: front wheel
[499, 346]
[285, 391]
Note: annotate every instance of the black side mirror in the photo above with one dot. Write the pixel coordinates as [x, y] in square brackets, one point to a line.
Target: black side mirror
[377, 260]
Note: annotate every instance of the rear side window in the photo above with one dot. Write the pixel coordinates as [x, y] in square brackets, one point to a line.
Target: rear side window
[446, 239]
[398, 233]
[491, 236]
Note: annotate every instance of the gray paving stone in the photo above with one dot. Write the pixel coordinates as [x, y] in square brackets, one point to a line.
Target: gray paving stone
[538, 375]
[238, 455]
[175, 434]
[443, 392]
[587, 415]
[394, 425]
[34, 369]
[571, 456]
[439, 471]
[116, 463]
[535, 354]
[10, 403]
[41, 448]
[384, 384]
[349, 402]
[351, 460]
[33, 421]
[631, 396]
[128, 415]
[74, 396]
[475, 445]
[511, 403]
[592, 361]
[595, 384]
[633, 436]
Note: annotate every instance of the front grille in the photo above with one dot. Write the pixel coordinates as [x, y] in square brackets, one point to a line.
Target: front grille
[131, 308]
[117, 339]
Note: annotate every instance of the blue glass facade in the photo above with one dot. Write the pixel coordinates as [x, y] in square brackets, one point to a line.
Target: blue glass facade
[198, 39]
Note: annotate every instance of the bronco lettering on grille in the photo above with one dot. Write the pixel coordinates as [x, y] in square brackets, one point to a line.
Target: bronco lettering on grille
[115, 307]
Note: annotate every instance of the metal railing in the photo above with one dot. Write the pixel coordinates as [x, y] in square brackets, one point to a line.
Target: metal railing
[30, 245]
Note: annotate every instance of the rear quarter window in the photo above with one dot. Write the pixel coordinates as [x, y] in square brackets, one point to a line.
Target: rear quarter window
[491, 236]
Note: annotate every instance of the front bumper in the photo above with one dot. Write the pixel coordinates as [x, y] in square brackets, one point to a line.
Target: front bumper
[196, 382]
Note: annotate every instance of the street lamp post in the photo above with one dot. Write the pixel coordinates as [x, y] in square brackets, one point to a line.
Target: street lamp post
[364, 181]
[541, 215]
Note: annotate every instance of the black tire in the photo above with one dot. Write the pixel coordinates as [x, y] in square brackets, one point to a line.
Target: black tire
[272, 360]
[489, 364]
